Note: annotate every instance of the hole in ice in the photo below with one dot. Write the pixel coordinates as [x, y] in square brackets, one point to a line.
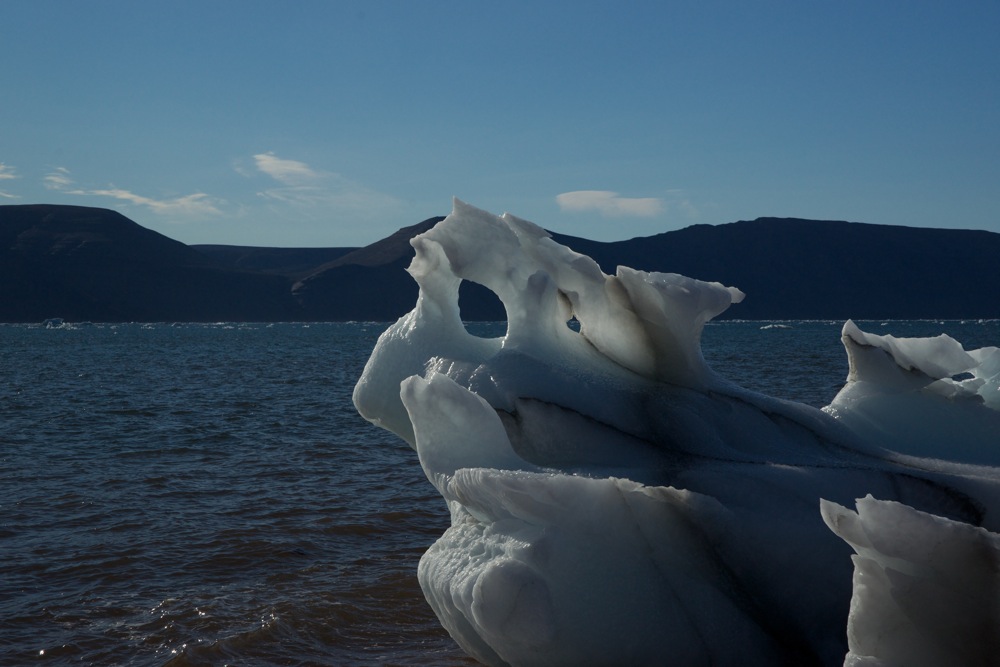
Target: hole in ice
[481, 310]
[962, 376]
[478, 303]
[573, 324]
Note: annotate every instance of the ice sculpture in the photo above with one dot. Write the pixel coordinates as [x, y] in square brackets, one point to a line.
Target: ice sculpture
[926, 589]
[613, 501]
[922, 396]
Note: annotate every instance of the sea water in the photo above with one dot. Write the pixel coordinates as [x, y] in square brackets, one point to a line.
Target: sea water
[204, 494]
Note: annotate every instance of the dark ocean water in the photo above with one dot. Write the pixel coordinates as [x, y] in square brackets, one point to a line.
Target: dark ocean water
[206, 494]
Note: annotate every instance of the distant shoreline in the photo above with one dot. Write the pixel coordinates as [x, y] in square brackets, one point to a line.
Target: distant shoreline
[90, 264]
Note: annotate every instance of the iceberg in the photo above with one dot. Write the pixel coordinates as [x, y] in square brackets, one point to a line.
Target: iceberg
[615, 501]
[926, 588]
[927, 397]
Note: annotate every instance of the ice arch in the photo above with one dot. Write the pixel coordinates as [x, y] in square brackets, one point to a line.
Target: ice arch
[613, 501]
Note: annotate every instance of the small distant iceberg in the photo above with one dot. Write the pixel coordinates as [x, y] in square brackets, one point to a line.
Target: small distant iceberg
[775, 326]
[53, 323]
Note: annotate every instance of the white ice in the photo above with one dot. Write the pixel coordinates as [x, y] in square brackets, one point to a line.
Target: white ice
[614, 501]
[923, 396]
[926, 589]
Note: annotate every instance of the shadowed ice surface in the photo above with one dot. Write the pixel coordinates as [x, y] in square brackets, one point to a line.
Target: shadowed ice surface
[614, 500]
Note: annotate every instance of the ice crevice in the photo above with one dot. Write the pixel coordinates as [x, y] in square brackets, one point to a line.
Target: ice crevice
[614, 501]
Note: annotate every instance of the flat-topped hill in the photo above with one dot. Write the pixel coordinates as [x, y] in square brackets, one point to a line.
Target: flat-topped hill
[90, 264]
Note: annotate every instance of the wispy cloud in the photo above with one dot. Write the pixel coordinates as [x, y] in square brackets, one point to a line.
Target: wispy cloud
[324, 192]
[609, 204]
[59, 179]
[289, 172]
[194, 205]
[7, 173]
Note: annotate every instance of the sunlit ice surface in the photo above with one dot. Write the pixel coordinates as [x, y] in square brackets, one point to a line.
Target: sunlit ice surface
[615, 501]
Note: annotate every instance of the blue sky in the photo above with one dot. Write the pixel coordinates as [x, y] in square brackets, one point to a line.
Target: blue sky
[335, 123]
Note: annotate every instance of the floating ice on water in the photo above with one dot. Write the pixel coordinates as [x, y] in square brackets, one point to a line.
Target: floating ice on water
[923, 396]
[613, 501]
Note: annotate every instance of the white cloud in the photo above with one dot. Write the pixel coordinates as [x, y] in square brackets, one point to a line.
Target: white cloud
[609, 204]
[321, 192]
[194, 205]
[7, 173]
[58, 179]
[289, 172]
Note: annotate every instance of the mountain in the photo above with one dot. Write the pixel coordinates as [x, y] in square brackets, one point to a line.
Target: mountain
[379, 286]
[792, 268]
[93, 264]
[294, 262]
[369, 283]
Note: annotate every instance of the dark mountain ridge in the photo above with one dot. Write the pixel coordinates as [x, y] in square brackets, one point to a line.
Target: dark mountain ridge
[298, 262]
[93, 264]
[88, 264]
[792, 268]
[376, 274]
